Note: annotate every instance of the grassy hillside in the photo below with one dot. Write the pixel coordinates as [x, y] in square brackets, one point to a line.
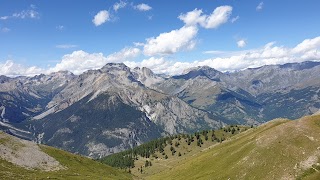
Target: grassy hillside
[161, 154]
[74, 166]
[280, 149]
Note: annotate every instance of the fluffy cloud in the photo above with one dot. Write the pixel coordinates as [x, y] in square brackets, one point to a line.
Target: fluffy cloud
[66, 46]
[9, 68]
[157, 65]
[218, 17]
[192, 18]
[171, 42]
[119, 5]
[260, 6]
[101, 17]
[270, 54]
[123, 55]
[184, 38]
[143, 7]
[307, 45]
[80, 61]
[241, 43]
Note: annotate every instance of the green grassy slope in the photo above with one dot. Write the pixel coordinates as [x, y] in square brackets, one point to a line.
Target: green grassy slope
[280, 149]
[170, 151]
[77, 167]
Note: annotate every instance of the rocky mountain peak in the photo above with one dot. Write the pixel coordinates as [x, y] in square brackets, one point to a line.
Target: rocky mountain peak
[300, 66]
[115, 66]
[288, 66]
[143, 71]
[4, 79]
[146, 76]
[206, 71]
[62, 73]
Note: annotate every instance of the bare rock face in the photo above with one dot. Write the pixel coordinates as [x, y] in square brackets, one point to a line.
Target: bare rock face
[146, 76]
[251, 96]
[272, 78]
[26, 154]
[22, 98]
[110, 99]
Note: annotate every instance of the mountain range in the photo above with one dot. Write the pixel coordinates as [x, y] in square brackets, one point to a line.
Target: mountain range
[107, 110]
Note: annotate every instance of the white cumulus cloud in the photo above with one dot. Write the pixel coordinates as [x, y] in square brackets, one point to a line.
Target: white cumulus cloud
[269, 54]
[184, 38]
[143, 7]
[123, 55]
[10, 68]
[193, 17]
[307, 45]
[241, 43]
[218, 17]
[101, 17]
[157, 65]
[171, 42]
[80, 61]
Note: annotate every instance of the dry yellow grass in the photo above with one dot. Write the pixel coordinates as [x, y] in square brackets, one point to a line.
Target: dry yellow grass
[280, 149]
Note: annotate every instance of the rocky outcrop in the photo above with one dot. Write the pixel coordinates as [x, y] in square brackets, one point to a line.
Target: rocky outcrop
[26, 154]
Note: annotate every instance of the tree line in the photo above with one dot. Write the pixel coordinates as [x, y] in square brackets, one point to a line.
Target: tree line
[125, 159]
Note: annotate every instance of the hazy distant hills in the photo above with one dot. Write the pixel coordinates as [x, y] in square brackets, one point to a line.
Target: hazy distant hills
[113, 108]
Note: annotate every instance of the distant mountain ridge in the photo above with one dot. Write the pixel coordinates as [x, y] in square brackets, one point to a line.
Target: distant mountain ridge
[114, 108]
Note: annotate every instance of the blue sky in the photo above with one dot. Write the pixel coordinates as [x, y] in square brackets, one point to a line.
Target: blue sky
[167, 36]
